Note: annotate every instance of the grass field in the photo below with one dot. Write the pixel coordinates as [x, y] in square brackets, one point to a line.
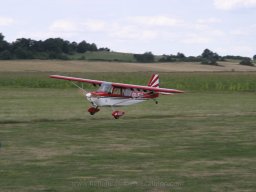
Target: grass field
[207, 81]
[104, 56]
[203, 140]
[117, 67]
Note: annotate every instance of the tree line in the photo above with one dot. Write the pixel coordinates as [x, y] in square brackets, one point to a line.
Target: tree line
[52, 48]
[58, 48]
[207, 57]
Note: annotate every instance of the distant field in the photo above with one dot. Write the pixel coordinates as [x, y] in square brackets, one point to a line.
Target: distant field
[85, 66]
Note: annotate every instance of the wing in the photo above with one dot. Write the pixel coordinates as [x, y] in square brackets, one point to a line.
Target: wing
[120, 85]
[94, 82]
[163, 91]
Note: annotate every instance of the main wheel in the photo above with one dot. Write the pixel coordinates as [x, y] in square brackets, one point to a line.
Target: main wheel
[93, 110]
[117, 114]
[91, 113]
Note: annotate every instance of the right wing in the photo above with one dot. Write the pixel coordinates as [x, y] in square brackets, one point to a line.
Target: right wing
[93, 82]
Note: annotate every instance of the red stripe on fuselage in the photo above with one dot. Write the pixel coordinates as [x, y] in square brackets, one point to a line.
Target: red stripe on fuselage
[135, 95]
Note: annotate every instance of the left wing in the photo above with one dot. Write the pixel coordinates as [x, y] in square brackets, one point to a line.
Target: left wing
[147, 88]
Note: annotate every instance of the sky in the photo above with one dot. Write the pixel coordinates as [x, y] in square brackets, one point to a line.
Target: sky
[227, 27]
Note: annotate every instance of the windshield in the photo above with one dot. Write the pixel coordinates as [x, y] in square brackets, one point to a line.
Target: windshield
[105, 87]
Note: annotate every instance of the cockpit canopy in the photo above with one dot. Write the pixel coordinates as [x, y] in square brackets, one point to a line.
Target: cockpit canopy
[105, 87]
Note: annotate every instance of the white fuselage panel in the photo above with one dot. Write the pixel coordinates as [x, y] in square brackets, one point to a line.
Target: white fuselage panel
[114, 101]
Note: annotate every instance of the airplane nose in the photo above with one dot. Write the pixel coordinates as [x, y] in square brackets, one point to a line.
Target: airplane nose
[88, 95]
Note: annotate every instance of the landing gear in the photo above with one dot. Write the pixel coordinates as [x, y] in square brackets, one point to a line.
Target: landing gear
[93, 110]
[117, 114]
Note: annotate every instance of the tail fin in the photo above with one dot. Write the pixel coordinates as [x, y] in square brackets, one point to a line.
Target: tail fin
[154, 81]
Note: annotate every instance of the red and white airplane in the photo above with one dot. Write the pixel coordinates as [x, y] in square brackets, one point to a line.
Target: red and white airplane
[118, 94]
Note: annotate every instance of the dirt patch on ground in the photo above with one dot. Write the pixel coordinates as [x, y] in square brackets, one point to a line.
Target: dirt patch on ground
[86, 66]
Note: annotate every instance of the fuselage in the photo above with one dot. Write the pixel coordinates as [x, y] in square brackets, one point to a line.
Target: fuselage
[121, 97]
[113, 101]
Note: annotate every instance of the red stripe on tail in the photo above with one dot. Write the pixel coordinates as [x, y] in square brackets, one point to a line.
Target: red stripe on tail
[154, 81]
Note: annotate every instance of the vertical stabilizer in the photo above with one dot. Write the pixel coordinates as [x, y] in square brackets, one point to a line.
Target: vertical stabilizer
[154, 81]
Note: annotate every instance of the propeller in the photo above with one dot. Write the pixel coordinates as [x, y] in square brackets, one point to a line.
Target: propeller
[83, 92]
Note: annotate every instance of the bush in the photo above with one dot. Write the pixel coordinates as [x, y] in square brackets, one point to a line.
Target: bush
[211, 61]
[147, 57]
[247, 62]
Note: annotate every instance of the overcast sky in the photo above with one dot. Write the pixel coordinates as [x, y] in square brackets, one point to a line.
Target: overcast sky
[137, 26]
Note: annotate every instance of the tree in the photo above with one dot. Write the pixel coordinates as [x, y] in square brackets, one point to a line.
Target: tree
[21, 53]
[38, 46]
[147, 57]
[93, 47]
[4, 45]
[234, 57]
[5, 55]
[54, 45]
[104, 49]
[209, 57]
[167, 58]
[1, 37]
[82, 47]
[254, 57]
[23, 48]
[73, 47]
[180, 55]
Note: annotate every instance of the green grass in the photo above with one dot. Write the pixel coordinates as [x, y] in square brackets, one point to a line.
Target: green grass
[198, 141]
[104, 56]
[225, 81]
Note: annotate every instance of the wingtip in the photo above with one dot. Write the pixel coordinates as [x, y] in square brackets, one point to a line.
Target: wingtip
[179, 91]
[53, 76]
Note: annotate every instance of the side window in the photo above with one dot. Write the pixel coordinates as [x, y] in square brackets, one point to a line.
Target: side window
[127, 92]
[117, 91]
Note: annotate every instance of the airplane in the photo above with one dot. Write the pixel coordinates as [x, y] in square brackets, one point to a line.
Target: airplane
[111, 94]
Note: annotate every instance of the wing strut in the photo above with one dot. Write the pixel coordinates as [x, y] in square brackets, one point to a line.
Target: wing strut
[81, 88]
